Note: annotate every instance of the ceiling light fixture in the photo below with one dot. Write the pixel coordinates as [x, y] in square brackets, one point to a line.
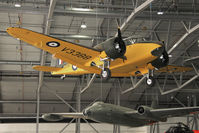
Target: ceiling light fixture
[170, 55]
[81, 9]
[17, 5]
[198, 43]
[83, 26]
[160, 13]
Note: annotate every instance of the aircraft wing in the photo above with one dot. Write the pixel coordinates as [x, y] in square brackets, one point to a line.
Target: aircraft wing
[173, 112]
[163, 114]
[61, 116]
[69, 52]
[172, 69]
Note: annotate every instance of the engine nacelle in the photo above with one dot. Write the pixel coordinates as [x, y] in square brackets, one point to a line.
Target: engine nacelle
[115, 47]
[161, 61]
[52, 117]
[144, 110]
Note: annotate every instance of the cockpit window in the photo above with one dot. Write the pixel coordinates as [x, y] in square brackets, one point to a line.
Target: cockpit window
[97, 103]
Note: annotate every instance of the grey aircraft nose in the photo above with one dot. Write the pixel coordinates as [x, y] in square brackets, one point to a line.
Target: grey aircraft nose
[87, 112]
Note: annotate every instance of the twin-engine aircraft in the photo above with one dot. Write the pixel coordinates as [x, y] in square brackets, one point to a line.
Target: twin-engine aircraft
[114, 114]
[112, 58]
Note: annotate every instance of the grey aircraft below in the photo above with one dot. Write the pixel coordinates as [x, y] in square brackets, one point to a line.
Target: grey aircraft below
[114, 114]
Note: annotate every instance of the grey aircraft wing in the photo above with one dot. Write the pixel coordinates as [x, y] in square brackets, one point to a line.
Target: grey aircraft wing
[147, 113]
[61, 116]
[172, 112]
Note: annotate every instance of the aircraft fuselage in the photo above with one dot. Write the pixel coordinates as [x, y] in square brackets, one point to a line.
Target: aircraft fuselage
[138, 58]
[113, 114]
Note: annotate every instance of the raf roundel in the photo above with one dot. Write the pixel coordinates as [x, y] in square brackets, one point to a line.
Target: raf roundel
[53, 44]
[74, 67]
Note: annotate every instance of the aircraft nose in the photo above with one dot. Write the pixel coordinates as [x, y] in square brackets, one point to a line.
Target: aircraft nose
[158, 51]
[87, 112]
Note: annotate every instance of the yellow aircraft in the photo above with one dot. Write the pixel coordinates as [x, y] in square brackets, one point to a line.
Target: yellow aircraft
[113, 59]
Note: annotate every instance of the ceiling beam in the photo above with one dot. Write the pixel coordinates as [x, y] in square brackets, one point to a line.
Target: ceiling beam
[134, 13]
[14, 62]
[43, 59]
[190, 31]
[104, 13]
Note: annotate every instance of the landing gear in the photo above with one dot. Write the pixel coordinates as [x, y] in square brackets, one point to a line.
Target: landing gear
[150, 81]
[63, 77]
[106, 73]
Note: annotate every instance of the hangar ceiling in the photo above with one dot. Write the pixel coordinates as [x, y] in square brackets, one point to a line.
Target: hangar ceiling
[20, 84]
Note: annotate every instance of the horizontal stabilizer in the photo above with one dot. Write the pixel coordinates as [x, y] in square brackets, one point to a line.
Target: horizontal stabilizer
[172, 69]
[46, 68]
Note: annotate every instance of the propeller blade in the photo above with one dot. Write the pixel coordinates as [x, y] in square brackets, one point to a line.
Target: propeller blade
[119, 33]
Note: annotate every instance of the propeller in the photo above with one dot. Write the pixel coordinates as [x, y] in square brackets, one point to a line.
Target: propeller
[119, 33]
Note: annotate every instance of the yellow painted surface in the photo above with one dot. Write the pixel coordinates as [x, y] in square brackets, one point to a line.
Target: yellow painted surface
[68, 70]
[172, 69]
[46, 68]
[66, 51]
[138, 56]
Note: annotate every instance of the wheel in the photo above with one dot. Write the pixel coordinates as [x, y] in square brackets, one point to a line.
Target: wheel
[63, 77]
[150, 81]
[106, 74]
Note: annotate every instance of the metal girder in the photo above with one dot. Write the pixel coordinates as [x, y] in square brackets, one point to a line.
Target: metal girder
[13, 62]
[183, 23]
[182, 38]
[191, 43]
[103, 13]
[1, 109]
[178, 101]
[66, 126]
[183, 16]
[68, 36]
[195, 115]
[89, 83]
[50, 15]
[168, 34]
[18, 117]
[196, 58]
[80, 37]
[95, 5]
[81, 3]
[134, 13]
[154, 30]
[91, 126]
[154, 128]
[60, 98]
[117, 93]
[78, 106]
[43, 59]
[41, 102]
[66, 11]
[180, 87]
[74, 93]
[134, 85]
